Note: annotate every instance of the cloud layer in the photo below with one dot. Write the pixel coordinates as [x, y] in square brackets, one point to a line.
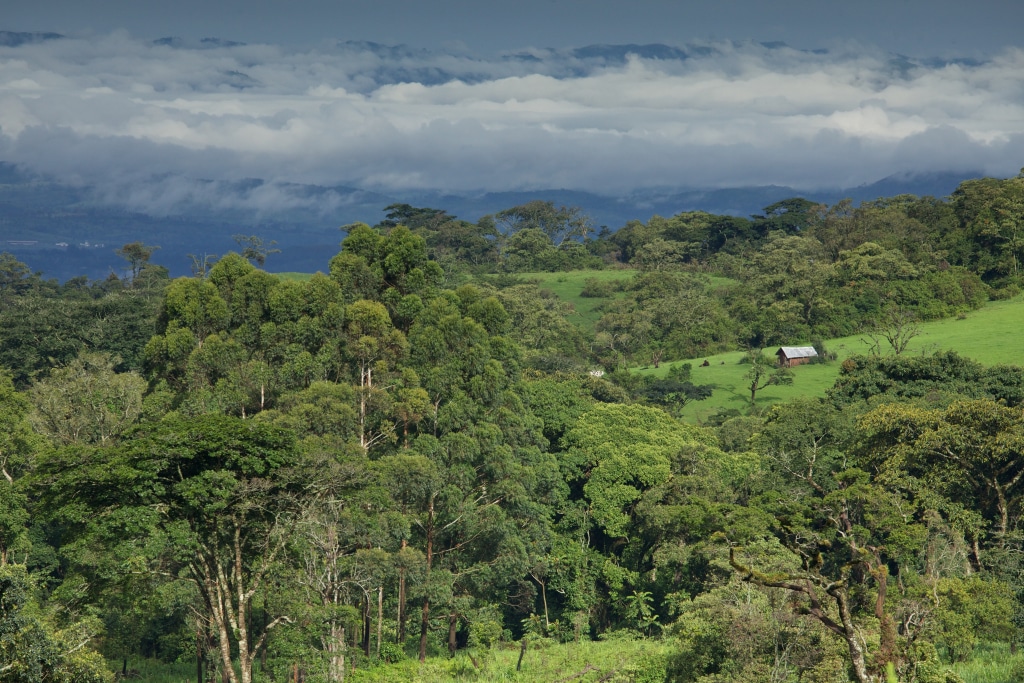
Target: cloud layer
[114, 111]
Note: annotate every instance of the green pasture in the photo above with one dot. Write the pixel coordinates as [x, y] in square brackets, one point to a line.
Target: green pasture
[567, 287]
[991, 335]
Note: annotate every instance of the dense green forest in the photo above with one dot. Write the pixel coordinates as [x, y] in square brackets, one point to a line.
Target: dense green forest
[423, 454]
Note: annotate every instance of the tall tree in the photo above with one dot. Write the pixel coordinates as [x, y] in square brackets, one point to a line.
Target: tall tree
[221, 494]
[558, 223]
[137, 255]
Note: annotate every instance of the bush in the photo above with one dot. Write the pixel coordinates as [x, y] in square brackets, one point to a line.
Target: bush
[1017, 671]
[391, 653]
[1005, 292]
[594, 288]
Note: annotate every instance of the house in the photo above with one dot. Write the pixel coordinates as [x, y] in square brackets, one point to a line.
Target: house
[790, 356]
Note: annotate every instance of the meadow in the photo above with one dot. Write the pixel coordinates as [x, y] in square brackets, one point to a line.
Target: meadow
[568, 285]
[991, 335]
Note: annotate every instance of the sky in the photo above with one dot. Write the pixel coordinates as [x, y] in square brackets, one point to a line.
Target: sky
[491, 96]
[913, 27]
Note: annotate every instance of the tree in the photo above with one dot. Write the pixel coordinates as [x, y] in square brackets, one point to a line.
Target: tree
[87, 402]
[201, 264]
[898, 326]
[616, 452]
[137, 255]
[989, 238]
[476, 500]
[972, 452]
[221, 495]
[763, 373]
[845, 530]
[255, 249]
[17, 447]
[15, 277]
[347, 517]
[789, 279]
[943, 376]
[791, 216]
[676, 390]
[559, 224]
[33, 648]
[375, 346]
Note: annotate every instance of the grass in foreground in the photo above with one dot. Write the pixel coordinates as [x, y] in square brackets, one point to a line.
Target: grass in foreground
[990, 335]
[615, 661]
[991, 663]
[612, 661]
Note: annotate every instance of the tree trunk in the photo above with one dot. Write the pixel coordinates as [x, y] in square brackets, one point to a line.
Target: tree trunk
[544, 599]
[367, 625]
[223, 639]
[425, 621]
[380, 616]
[401, 601]
[424, 625]
[241, 622]
[336, 654]
[453, 620]
[1004, 514]
[857, 658]
[199, 654]
[887, 635]
[263, 650]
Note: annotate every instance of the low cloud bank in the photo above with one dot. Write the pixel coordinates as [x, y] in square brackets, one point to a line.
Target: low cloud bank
[135, 119]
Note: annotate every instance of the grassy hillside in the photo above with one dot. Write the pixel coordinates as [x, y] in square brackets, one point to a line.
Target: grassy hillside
[991, 335]
[567, 287]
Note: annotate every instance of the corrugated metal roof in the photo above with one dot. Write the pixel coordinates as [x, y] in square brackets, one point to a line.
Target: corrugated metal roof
[797, 351]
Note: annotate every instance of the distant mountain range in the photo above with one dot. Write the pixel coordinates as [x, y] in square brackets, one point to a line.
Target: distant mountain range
[65, 231]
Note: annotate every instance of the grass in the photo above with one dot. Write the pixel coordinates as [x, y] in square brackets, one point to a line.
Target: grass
[567, 287]
[991, 663]
[155, 671]
[585, 662]
[990, 335]
[614, 661]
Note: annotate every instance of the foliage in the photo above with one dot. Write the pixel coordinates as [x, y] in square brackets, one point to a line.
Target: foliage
[33, 648]
[423, 453]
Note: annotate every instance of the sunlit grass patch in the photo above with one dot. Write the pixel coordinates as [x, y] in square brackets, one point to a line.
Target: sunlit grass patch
[569, 285]
[991, 335]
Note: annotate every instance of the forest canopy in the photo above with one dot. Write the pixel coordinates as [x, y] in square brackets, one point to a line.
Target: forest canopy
[421, 452]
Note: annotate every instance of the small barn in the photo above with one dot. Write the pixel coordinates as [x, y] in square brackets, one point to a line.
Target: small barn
[791, 356]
